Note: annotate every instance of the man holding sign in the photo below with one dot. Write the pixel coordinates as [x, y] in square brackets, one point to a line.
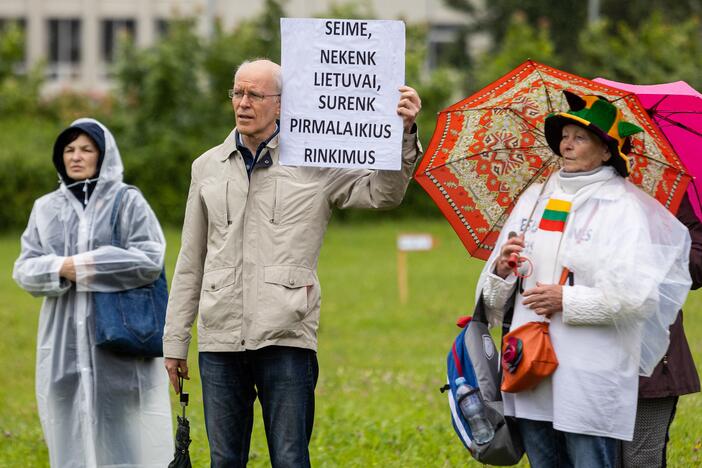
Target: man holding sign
[251, 238]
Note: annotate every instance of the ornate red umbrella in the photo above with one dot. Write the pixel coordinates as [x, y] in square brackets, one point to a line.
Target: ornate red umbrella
[487, 149]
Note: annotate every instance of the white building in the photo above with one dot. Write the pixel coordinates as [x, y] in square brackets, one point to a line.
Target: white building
[77, 38]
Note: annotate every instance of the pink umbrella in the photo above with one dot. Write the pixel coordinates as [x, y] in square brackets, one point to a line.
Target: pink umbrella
[677, 110]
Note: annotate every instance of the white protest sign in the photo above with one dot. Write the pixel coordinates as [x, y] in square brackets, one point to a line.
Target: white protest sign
[340, 93]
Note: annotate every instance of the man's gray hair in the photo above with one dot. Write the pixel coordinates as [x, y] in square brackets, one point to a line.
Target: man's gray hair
[277, 75]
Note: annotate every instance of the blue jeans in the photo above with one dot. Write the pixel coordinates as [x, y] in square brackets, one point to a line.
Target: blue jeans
[547, 447]
[284, 380]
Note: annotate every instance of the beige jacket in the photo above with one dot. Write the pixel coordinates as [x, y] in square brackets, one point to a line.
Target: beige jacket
[248, 258]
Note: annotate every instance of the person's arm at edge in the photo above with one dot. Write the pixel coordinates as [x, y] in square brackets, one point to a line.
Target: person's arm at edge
[35, 271]
[687, 216]
[186, 285]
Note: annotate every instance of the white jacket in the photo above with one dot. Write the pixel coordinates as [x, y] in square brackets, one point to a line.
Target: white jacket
[629, 258]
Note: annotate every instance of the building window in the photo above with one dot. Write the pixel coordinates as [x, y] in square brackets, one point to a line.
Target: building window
[113, 30]
[444, 44]
[162, 28]
[64, 47]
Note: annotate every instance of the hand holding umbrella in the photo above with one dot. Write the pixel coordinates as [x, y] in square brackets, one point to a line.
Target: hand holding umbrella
[181, 458]
[510, 258]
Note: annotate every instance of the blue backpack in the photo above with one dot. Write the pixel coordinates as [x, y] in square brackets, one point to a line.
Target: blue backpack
[473, 356]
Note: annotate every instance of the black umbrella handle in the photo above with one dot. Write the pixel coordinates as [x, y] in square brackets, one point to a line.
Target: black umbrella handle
[184, 396]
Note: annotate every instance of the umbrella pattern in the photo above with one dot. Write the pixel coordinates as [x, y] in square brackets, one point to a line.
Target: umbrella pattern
[487, 149]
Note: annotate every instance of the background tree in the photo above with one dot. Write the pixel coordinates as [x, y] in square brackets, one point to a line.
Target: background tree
[567, 18]
[19, 90]
[497, 19]
[11, 50]
[165, 115]
[521, 42]
[657, 51]
[637, 12]
[23, 174]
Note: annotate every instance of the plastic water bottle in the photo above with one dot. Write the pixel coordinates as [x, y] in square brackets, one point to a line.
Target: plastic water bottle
[473, 409]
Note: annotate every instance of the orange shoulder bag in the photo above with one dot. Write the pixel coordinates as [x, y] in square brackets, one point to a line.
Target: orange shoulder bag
[527, 353]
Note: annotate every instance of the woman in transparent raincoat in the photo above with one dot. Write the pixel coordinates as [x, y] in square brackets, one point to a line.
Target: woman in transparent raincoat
[607, 266]
[97, 408]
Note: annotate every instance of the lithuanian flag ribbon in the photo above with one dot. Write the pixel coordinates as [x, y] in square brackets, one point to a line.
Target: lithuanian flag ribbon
[555, 215]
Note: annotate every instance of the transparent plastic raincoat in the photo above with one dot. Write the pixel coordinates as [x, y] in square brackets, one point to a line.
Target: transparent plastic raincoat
[96, 408]
[629, 257]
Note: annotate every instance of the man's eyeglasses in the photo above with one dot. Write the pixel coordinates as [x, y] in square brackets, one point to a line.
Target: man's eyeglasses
[255, 97]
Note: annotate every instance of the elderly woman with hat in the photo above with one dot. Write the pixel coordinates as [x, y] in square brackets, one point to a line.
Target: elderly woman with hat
[608, 270]
[97, 407]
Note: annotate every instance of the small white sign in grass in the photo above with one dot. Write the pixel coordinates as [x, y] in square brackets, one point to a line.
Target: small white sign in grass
[409, 243]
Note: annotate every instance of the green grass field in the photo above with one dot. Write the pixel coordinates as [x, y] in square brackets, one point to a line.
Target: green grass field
[381, 363]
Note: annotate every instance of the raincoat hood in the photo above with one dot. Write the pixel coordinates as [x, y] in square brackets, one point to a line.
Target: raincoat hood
[109, 166]
[109, 162]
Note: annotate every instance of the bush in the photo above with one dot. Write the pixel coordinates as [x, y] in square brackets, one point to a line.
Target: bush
[161, 170]
[19, 91]
[68, 105]
[21, 182]
[26, 171]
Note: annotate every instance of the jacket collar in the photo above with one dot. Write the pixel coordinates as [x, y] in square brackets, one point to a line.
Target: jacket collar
[229, 146]
[612, 189]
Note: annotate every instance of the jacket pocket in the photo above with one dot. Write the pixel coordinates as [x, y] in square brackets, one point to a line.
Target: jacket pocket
[215, 196]
[284, 296]
[293, 202]
[221, 299]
